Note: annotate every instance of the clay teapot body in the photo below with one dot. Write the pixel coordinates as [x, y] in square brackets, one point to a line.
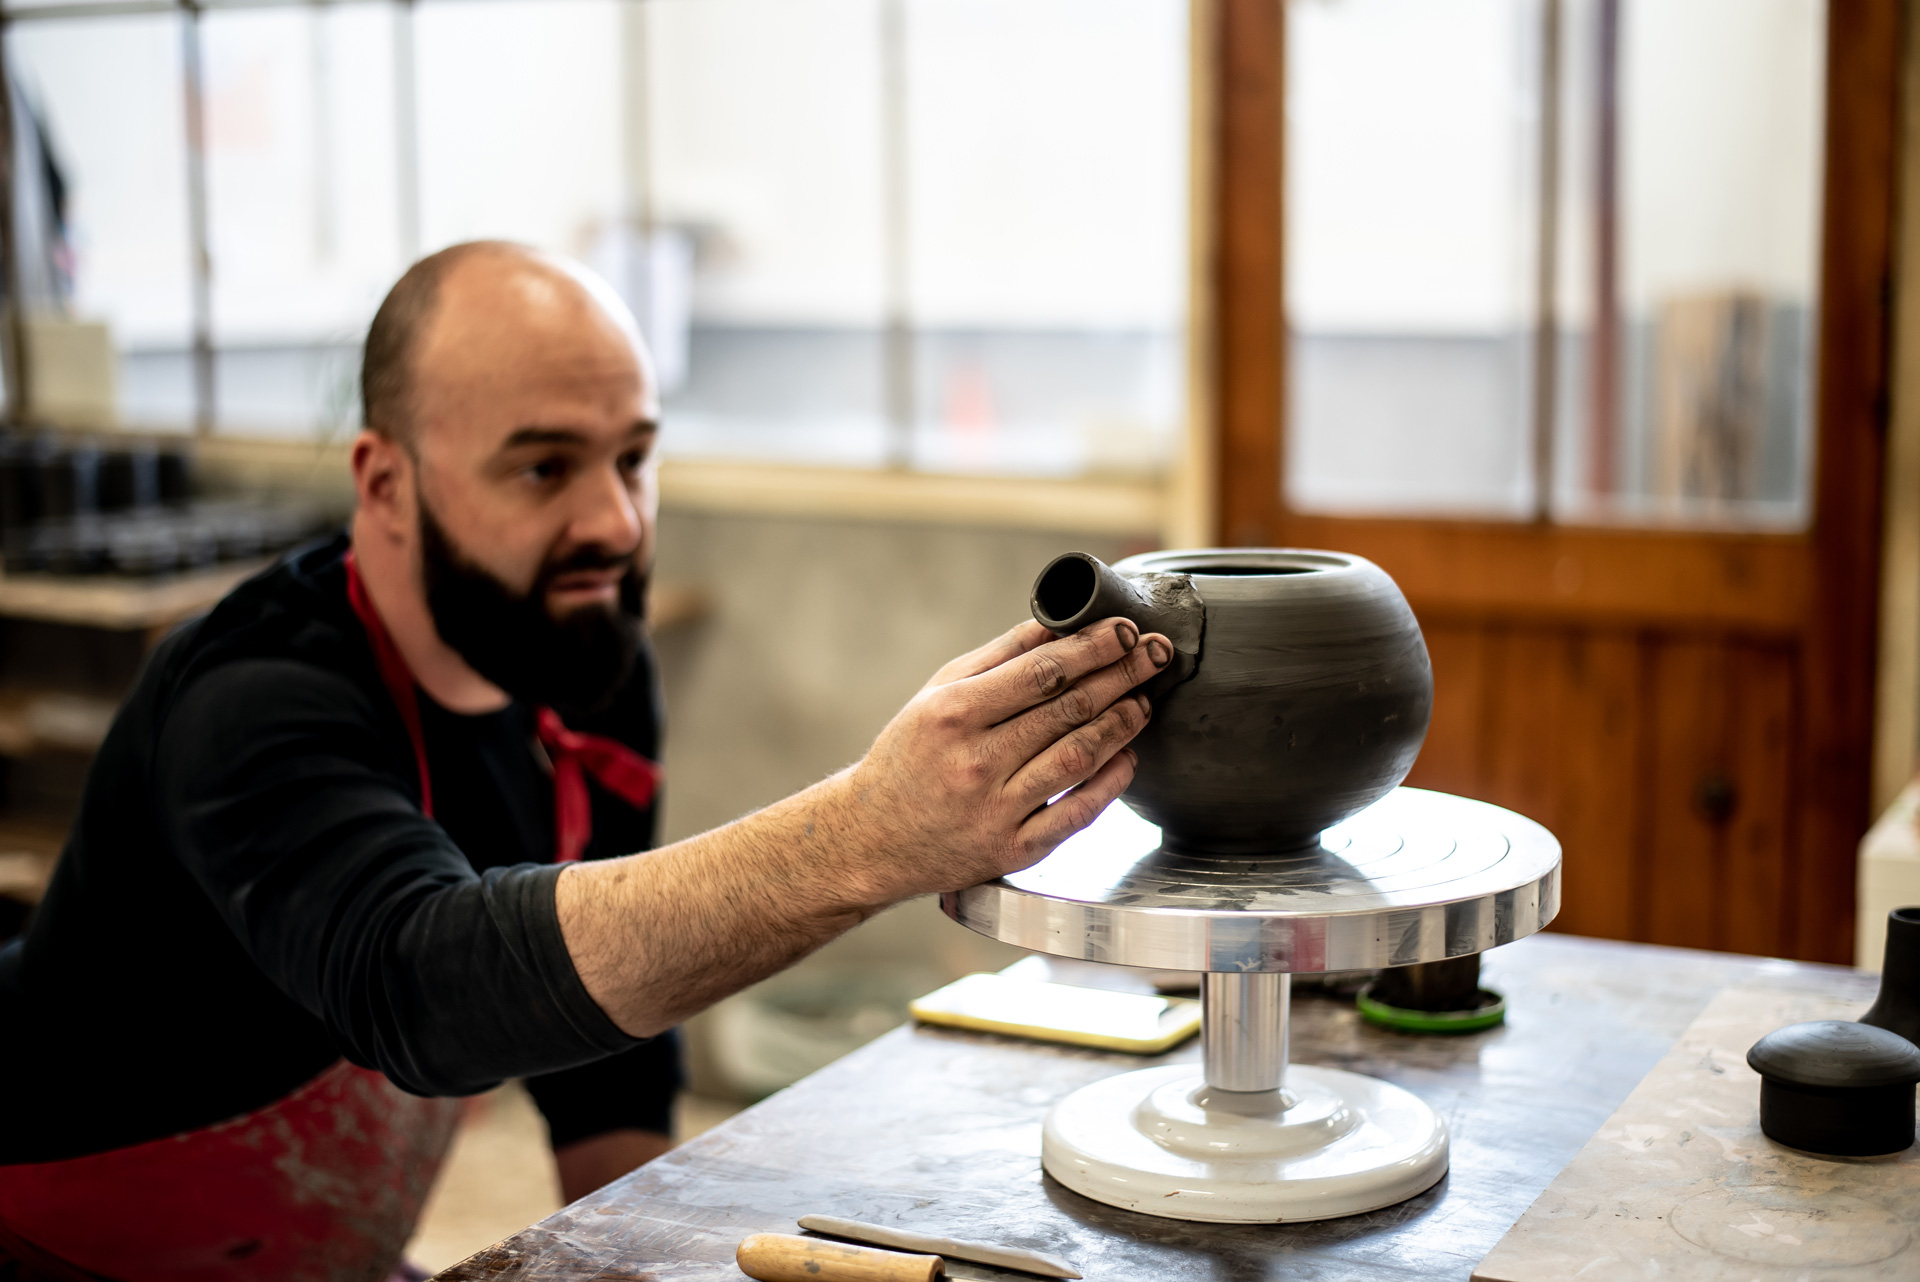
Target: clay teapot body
[1299, 693]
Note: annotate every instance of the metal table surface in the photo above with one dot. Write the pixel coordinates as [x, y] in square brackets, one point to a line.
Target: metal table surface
[940, 1131]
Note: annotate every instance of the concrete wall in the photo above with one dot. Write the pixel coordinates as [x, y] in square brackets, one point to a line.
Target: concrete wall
[820, 630]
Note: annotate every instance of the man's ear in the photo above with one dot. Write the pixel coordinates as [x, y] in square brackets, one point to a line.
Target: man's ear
[382, 472]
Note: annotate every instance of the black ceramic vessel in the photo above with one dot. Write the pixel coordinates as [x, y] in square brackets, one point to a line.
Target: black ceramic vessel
[1299, 694]
[1836, 1087]
[1450, 985]
[1897, 1008]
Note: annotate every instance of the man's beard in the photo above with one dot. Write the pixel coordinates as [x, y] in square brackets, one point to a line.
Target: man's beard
[578, 661]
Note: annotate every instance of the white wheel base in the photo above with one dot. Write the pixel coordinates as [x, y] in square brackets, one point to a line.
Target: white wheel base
[1160, 1141]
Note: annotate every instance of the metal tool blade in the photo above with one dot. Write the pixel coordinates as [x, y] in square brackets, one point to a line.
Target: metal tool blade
[1006, 1257]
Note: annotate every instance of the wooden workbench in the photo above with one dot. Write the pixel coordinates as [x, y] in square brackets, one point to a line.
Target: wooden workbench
[940, 1131]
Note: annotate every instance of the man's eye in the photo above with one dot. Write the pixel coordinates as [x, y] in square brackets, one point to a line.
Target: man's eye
[632, 461]
[551, 469]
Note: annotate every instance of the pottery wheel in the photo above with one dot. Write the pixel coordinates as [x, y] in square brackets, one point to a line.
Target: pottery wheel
[1419, 876]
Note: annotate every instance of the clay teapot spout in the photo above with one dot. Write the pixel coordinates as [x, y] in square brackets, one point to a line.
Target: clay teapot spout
[1078, 588]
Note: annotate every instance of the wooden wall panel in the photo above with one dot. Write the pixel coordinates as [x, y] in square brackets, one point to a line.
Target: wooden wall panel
[1595, 740]
[1664, 764]
[1757, 906]
[1450, 758]
[1719, 795]
[1681, 844]
[1679, 580]
[1520, 704]
[1545, 721]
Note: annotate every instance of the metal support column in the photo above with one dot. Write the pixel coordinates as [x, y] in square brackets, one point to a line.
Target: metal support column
[1243, 1030]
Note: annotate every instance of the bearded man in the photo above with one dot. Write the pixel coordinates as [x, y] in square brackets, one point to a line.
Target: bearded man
[362, 838]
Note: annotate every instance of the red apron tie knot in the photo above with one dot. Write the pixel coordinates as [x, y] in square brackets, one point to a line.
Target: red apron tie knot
[574, 754]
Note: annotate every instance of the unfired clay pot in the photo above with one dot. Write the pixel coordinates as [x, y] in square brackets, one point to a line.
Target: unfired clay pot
[1299, 693]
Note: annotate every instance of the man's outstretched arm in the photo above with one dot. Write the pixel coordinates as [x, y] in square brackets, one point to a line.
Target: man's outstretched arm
[954, 792]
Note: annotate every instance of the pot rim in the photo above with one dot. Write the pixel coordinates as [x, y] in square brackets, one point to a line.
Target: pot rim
[1241, 563]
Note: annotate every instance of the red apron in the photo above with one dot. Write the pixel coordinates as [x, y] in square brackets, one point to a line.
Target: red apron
[323, 1185]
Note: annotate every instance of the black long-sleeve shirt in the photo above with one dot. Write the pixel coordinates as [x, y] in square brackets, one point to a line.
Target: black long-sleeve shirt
[251, 891]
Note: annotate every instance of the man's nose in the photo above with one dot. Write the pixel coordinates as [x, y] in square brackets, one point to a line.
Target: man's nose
[608, 514]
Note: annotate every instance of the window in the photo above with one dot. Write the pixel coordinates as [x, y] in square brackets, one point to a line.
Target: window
[1553, 257]
[1691, 258]
[946, 235]
[123, 269]
[303, 235]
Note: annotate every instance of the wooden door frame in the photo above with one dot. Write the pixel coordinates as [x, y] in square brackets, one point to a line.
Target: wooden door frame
[1819, 587]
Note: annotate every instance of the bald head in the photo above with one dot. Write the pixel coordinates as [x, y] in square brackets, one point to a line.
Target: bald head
[506, 472]
[487, 310]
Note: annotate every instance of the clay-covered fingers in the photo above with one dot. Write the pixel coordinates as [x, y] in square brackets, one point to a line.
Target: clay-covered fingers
[1050, 825]
[1078, 755]
[1010, 644]
[1046, 671]
[1025, 736]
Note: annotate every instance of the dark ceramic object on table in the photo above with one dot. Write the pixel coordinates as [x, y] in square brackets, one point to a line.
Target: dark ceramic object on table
[1432, 997]
[1298, 696]
[1897, 1008]
[1836, 1087]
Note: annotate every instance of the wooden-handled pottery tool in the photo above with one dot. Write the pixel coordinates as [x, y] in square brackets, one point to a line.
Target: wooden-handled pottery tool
[1005, 1257]
[787, 1257]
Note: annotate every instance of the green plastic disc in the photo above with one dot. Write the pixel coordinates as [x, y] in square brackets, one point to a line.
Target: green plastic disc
[1492, 1010]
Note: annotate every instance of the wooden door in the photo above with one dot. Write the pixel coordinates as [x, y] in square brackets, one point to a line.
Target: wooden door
[1689, 711]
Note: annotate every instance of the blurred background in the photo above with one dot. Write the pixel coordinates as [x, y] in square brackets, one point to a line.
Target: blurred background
[1584, 318]
[858, 234]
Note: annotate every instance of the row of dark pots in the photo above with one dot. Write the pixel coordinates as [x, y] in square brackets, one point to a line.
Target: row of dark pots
[45, 477]
[153, 541]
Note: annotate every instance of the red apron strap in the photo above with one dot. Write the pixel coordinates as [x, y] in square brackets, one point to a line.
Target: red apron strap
[394, 673]
[618, 768]
[575, 755]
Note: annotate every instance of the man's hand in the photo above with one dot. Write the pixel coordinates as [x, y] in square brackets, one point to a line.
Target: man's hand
[1006, 753]
[956, 789]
